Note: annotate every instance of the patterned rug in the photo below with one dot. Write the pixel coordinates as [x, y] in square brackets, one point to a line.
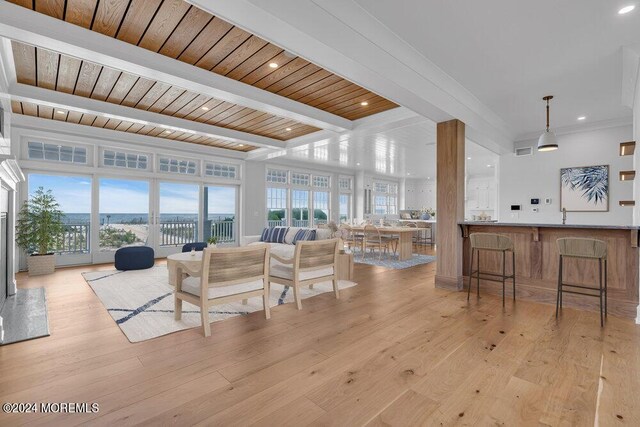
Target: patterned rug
[141, 301]
[392, 261]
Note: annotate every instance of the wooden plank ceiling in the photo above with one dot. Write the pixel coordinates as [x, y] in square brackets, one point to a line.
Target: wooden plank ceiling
[46, 112]
[51, 70]
[176, 29]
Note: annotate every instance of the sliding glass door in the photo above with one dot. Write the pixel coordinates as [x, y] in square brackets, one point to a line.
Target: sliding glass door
[220, 213]
[73, 194]
[123, 216]
[178, 216]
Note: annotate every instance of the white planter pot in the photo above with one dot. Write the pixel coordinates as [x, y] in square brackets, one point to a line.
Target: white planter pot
[41, 264]
[211, 245]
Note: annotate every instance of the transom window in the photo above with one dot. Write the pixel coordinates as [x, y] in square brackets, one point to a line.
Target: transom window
[221, 170]
[385, 199]
[277, 176]
[321, 181]
[121, 159]
[300, 179]
[171, 165]
[344, 183]
[57, 153]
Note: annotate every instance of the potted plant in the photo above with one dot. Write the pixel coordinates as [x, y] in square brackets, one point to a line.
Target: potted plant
[39, 230]
[212, 241]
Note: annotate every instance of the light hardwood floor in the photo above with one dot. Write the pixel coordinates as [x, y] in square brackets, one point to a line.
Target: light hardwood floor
[391, 351]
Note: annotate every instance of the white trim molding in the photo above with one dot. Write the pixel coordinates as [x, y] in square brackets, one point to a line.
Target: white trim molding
[65, 101]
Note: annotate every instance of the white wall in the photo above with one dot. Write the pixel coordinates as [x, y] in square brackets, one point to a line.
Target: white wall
[254, 206]
[538, 176]
[420, 193]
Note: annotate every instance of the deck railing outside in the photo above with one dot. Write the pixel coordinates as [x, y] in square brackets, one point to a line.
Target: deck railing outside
[224, 231]
[178, 232]
[75, 239]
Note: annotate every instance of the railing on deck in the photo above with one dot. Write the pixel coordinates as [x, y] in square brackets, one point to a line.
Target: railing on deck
[75, 239]
[178, 232]
[224, 231]
[277, 223]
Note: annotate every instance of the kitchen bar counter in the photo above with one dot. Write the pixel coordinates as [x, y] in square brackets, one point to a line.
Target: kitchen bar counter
[537, 262]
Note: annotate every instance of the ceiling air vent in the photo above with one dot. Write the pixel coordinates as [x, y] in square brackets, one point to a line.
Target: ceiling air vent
[524, 151]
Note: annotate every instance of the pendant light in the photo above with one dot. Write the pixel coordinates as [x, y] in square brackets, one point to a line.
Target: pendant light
[547, 141]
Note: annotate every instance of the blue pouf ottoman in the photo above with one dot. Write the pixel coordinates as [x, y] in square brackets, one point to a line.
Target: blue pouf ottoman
[198, 246]
[134, 258]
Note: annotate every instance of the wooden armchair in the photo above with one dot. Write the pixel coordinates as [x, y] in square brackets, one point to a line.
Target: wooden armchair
[313, 262]
[226, 274]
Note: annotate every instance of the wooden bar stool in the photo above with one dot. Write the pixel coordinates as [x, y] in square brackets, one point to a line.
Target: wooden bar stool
[574, 247]
[495, 243]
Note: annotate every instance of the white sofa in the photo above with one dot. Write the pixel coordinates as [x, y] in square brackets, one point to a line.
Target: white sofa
[285, 250]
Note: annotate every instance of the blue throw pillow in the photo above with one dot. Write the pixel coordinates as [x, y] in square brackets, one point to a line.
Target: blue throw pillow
[274, 235]
[304, 234]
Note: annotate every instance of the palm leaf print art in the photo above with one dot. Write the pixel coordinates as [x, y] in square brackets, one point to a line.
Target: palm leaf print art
[593, 181]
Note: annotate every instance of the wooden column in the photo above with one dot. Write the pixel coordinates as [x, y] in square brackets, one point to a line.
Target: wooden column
[450, 203]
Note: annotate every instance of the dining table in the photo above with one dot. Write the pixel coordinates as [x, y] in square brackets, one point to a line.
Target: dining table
[405, 238]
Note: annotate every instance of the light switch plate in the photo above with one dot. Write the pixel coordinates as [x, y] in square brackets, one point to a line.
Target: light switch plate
[535, 209]
[547, 201]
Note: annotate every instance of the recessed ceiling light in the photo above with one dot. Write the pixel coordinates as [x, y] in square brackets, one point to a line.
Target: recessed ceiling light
[288, 129]
[241, 145]
[60, 112]
[626, 9]
[358, 164]
[205, 108]
[582, 117]
[273, 65]
[167, 131]
[408, 173]
[489, 166]
[468, 158]
[364, 103]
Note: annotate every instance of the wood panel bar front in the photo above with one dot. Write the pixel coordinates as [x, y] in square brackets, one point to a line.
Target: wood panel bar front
[537, 262]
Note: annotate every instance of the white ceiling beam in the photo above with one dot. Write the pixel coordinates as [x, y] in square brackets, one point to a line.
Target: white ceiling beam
[24, 25]
[72, 132]
[65, 101]
[343, 38]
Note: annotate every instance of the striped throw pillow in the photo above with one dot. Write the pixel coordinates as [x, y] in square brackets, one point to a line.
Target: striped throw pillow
[304, 234]
[274, 234]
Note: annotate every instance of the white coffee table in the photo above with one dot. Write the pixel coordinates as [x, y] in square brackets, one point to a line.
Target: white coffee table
[190, 260]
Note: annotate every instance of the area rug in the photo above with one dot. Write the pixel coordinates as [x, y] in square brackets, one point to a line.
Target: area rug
[392, 261]
[141, 301]
[24, 316]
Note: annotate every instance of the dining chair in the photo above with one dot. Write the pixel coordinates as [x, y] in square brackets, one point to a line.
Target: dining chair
[225, 275]
[373, 239]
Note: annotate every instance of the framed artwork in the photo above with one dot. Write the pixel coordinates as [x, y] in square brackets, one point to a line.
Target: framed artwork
[585, 189]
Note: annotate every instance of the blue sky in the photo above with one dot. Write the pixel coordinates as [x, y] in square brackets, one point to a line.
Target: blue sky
[73, 193]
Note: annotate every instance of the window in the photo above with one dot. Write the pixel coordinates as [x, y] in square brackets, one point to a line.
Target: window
[345, 206]
[380, 187]
[221, 170]
[276, 206]
[320, 207]
[277, 176]
[120, 159]
[73, 194]
[321, 181]
[299, 208]
[385, 199]
[344, 183]
[57, 153]
[171, 165]
[300, 179]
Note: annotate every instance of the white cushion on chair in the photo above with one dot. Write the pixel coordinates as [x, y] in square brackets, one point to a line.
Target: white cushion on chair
[285, 271]
[191, 285]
